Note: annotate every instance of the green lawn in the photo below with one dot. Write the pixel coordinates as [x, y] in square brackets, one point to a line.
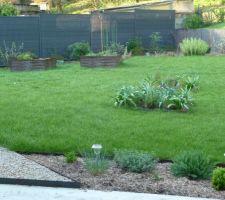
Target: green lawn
[71, 108]
[217, 26]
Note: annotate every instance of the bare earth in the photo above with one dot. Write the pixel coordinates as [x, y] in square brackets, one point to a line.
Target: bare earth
[159, 182]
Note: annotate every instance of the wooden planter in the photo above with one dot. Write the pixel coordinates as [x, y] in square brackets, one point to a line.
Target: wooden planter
[100, 61]
[28, 65]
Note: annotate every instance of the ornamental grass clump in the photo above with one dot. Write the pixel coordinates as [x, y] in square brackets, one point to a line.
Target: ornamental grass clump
[96, 164]
[135, 161]
[194, 47]
[193, 165]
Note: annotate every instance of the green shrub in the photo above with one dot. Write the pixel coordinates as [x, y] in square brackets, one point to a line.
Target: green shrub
[135, 46]
[194, 165]
[96, 165]
[7, 9]
[194, 21]
[26, 56]
[218, 179]
[78, 49]
[220, 14]
[155, 39]
[135, 161]
[70, 157]
[194, 46]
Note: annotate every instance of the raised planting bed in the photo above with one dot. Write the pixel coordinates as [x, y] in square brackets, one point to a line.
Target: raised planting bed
[100, 61]
[36, 64]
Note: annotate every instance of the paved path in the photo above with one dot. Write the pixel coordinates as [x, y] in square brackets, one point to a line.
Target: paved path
[14, 165]
[13, 192]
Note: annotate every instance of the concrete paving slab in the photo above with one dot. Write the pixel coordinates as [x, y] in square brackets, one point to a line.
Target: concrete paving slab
[14, 165]
[14, 192]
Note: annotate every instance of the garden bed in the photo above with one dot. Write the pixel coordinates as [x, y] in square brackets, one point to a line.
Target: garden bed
[36, 64]
[160, 182]
[100, 61]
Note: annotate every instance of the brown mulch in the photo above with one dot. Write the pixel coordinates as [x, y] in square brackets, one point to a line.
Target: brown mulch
[159, 182]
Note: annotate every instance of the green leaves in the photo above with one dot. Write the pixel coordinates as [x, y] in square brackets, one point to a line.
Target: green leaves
[78, 49]
[163, 94]
[179, 100]
[126, 97]
[9, 52]
[135, 161]
[194, 47]
[96, 165]
[193, 165]
[218, 179]
[26, 56]
[194, 21]
[70, 157]
[7, 9]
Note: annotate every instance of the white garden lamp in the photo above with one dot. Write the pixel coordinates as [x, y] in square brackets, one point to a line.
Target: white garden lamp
[97, 148]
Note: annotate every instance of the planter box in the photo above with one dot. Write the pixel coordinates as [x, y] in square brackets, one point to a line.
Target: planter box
[37, 64]
[100, 61]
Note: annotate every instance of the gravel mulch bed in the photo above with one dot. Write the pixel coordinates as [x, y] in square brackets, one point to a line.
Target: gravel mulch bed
[16, 166]
[159, 182]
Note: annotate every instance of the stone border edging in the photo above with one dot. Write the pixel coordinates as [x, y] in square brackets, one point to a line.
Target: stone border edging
[44, 183]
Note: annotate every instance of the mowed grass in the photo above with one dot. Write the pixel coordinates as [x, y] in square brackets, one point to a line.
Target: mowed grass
[217, 26]
[70, 108]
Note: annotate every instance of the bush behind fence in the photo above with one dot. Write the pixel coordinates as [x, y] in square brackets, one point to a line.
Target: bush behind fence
[214, 37]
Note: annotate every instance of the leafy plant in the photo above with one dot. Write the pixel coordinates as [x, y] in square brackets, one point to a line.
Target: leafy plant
[155, 39]
[111, 50]
[135, 161]
[78, 49]
[135, 46]
[96, 165]
[26, 56]
[70, 157]
[194, 46]
[126, 97]
[172, 94]
[218, 179]
[116, 48]
[8, 53]
[148, 96]
[191, 82]
[194, 165]
[178, 100]
[7, 9]
[102, 53]
[194, 21]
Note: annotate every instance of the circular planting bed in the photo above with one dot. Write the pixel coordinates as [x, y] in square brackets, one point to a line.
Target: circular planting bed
[160, 181]
[36, 64]
[100, 61]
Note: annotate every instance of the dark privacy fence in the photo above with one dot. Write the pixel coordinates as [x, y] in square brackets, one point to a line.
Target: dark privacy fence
[47, 35]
